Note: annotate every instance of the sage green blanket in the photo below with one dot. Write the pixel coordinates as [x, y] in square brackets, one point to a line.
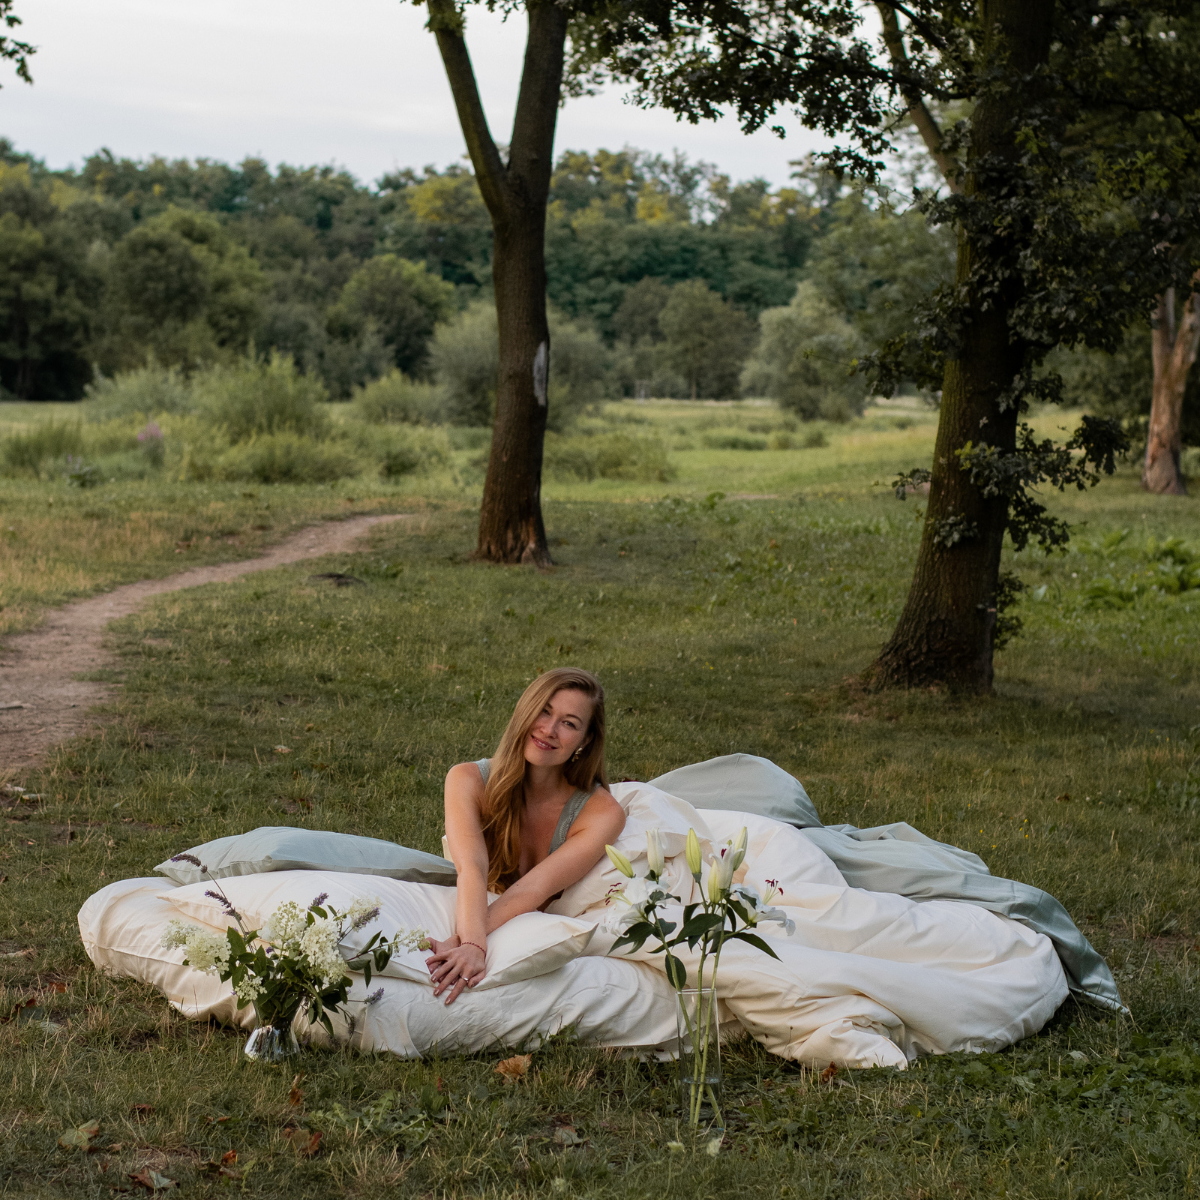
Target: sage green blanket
[895, 858]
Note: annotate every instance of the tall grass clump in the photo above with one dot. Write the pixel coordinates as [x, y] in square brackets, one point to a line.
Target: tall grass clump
[286, 457]
[394, 399]
[617, 456]
[146, 391]
[28, 453]
[253, 398]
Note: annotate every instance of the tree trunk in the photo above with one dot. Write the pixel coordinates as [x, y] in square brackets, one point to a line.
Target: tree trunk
[1174, 353]
[946, 632]
[516, 193]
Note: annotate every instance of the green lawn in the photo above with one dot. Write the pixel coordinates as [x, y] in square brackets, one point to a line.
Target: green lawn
[717, 624]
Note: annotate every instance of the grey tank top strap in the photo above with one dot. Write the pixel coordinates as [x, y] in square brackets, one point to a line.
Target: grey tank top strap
[570, 812]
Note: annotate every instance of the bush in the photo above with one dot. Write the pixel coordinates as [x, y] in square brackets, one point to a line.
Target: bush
[465, 356]
[617, 456]
[147, 391]
[286, 457]
[26, 453]
[804, 357]
[734, 441]
[397, 400]
[254, 398]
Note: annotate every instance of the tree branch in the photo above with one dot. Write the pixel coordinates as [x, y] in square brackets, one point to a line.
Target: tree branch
[531, 151]
[446, 22]
[918, 111]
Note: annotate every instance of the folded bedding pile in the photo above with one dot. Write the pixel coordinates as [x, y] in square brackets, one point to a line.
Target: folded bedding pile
[867, 978]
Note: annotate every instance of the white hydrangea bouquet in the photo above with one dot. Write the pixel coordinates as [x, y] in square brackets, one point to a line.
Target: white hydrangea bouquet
[294, 960]
[726, 911]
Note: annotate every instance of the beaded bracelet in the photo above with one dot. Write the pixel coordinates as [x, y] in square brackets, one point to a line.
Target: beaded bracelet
[481, 949]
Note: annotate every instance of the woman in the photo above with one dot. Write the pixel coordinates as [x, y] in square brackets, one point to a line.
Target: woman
[529, 822]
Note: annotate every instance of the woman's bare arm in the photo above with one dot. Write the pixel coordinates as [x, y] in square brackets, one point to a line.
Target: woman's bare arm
[464, 834]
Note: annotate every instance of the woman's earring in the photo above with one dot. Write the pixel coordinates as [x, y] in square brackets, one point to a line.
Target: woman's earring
[577, 753]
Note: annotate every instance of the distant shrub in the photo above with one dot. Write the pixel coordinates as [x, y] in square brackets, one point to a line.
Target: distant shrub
[617, 456]
[814, 439]
[804, 359]
[82, 474]
[147, 391]
[27, 453]
[465, 357]
[781, 440]
[286, 457]
[395, 399]
[253, 398]
[733, 441]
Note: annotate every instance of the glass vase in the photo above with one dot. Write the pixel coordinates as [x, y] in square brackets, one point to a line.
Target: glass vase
[699, 1059]
[270, 1044]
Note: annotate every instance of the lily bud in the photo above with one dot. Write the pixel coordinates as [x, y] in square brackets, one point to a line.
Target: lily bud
[739, 850]
[692, 853]
[619, 861]
[654, 853]
[715, 890]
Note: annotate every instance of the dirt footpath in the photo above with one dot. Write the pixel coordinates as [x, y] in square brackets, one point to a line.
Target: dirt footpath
[42, 704]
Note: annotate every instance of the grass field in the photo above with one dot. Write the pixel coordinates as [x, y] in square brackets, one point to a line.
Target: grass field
[718, 623]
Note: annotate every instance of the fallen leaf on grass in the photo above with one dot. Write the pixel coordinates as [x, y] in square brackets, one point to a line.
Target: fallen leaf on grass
[80, 1138]
[829, 1072]
[567, 1135]
[152, 1181]
[224, 1167]
[141, 1110]
[296, 1096]
[512, 1069]
[306, 1142]
[115, 1148]
[282, 749]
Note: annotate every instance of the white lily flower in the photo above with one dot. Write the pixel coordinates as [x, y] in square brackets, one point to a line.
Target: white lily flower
[654, 852]
[619, 861]
[637, 892]
[747, 893]
[777, 914]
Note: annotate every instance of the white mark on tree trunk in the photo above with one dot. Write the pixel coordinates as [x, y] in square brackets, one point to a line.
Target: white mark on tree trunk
[540, 363]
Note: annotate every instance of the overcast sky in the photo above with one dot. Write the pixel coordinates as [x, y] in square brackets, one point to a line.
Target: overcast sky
[357, 83]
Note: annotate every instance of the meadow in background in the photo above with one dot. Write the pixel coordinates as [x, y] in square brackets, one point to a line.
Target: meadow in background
[727, 581]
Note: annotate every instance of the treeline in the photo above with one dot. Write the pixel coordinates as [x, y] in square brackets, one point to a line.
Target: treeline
[665, 279]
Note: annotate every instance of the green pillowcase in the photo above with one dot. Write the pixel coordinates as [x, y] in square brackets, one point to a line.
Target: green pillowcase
[742, 783]
[285, 848]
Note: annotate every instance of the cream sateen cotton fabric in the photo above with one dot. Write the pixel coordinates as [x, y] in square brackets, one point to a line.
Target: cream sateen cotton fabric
[867, 978]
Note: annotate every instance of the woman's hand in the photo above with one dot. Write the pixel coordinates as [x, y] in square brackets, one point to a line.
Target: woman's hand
[455, 966]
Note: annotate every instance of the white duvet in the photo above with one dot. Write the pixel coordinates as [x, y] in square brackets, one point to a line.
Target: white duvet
[866, 979]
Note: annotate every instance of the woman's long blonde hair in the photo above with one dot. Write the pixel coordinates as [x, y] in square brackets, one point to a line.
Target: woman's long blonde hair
[504, 795]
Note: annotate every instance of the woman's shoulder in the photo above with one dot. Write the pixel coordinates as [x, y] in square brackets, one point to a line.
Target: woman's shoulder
[466, 774]
[601, 805]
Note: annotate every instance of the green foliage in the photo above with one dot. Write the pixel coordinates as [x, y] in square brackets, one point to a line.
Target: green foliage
[51, 441]
[465, 357]
[143, 391]
[286, 456]
[181, 289]
[806, 358]
[254, 397]
[48, 288]
[705, 339]
[616, 456]
[396, 399]
[400, 300]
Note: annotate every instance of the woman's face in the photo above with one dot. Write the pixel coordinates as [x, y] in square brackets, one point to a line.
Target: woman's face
[560, 729]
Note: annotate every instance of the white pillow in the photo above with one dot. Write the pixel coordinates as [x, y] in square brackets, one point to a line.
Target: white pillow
[646, 807]
[287, 848]
[527, 946]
